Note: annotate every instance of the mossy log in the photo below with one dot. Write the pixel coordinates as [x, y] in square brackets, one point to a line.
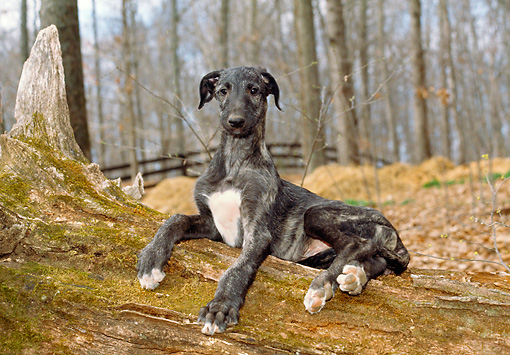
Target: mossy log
[68, 245]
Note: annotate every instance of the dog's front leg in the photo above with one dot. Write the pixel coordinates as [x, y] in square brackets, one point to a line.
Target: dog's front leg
[177, 228]
[223, 310]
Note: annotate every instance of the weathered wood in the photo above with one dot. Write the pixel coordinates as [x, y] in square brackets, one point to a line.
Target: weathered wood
[68, 240]
[41, 108]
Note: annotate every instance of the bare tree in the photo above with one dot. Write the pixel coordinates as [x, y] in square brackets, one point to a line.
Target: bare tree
[422, 149]
[135, 60]
[442, 93]
[128, 87]
[340, 67]
[447, 49]
[99, 97]
[390, 117]
[365, 145]
[313, 140]
[24, 31]
[255, 33]
[180, 145]
[64, 15]
[224, 35]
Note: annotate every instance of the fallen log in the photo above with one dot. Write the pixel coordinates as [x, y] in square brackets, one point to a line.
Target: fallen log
[68, 244]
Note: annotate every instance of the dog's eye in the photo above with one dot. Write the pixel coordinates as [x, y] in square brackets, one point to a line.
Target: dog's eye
[223, 91]
[254, 91]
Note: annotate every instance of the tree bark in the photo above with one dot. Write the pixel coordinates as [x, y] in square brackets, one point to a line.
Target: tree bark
[340, 69]
[254, 34]
[24, 31]
[389, 114]
[135, 59]
[443, 94]
[457, 119]
[313, 139]
[422, 149]
[64, 15]
[180, 141]
[128, 89]
[99, 98]
[224, 35]
[365, 141]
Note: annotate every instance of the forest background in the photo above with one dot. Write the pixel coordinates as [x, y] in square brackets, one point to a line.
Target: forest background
[382, 81]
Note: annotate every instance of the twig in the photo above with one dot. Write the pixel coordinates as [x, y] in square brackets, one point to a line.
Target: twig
[455, 259]
[495, 224]
[312, 149]
[182, 117]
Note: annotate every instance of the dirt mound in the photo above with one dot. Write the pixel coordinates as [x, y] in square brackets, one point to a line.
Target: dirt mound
[172, 196]
[398, 181]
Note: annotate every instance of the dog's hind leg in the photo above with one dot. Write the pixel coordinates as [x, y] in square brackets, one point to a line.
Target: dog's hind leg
[155, 255]
[366, 246]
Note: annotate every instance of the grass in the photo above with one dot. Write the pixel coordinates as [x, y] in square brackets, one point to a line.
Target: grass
[360, 203]
[434, 183]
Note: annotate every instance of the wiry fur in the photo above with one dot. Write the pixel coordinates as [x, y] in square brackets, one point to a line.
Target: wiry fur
[353, 244]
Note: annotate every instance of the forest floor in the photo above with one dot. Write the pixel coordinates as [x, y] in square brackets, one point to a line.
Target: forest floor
[442, 211]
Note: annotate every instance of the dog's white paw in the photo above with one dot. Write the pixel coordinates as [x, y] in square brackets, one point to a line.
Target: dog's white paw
[315, 299]
[152, 280]
[352, 279]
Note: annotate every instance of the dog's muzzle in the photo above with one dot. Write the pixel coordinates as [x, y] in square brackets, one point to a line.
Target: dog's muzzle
[236, 122]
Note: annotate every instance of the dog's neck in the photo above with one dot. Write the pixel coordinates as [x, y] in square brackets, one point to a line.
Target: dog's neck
[239, 151]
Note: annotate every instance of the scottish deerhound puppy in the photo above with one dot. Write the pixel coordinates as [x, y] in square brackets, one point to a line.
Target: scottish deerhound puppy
[243, 202]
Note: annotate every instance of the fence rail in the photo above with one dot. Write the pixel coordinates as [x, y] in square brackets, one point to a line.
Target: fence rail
[287, 157]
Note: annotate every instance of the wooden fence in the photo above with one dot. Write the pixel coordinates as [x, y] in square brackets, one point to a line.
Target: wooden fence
[287, 157]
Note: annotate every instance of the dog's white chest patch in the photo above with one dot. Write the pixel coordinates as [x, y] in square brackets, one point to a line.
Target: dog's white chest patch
[226, 213]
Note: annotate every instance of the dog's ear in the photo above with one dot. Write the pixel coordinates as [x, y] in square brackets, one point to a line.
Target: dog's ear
[272, 86]
[207, 85]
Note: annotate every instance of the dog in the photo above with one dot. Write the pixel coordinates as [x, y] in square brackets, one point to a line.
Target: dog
[243, 202]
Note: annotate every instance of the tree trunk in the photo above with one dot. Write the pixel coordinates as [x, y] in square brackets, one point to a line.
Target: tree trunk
[365, 141]
[443, 93]
[135, 59]
[340, 68]
[447, 34]
[128, 89]
[390, 116]
[422, 149]
[99, 98]
[24, 31]
[180, 145]
[496, 139]
[476, 124]
[64, 14]
[224, 35]
[313, 139]
[254, 34]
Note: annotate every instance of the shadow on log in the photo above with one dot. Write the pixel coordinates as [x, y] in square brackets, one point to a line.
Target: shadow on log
[68, 244]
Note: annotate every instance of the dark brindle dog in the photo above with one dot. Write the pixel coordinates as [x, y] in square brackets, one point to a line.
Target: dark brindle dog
[243, 202]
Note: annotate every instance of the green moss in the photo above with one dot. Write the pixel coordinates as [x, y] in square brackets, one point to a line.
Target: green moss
[20, 319]
[15, 194]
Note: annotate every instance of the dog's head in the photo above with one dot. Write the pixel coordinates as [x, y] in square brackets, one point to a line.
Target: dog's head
[242, 95]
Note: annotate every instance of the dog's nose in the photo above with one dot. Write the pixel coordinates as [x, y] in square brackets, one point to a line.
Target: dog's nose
[236, 122]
